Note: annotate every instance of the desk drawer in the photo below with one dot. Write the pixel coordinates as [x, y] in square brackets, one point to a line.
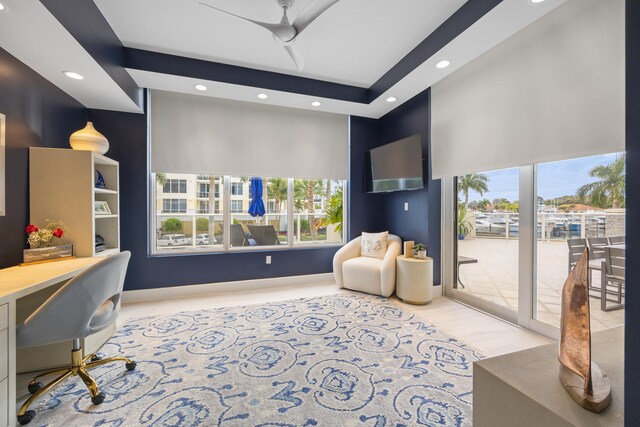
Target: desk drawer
[4, 353]
[4, 316]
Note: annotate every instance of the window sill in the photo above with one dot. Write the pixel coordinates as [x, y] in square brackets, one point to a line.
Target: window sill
[241, 250]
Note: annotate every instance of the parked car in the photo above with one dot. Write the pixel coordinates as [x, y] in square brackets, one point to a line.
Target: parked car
[174, 240]
[203, 239]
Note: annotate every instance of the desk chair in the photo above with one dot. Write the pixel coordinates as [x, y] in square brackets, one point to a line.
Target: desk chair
[86, 304]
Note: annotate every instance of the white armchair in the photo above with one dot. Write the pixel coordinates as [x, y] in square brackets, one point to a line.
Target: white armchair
[365, 274]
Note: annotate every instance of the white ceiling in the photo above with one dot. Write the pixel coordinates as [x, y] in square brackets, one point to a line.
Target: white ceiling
[376, 33]
[354, 42]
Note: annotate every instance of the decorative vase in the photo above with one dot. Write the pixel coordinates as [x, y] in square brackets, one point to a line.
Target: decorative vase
[89, 139]
[422, 254]
[45, 254]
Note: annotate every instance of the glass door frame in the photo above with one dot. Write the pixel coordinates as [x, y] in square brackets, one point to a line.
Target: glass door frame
[527, 247]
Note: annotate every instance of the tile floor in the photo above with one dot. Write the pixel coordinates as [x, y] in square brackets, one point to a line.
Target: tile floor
[495, 278]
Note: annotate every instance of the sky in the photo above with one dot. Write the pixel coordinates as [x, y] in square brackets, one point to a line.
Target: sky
[554, 179]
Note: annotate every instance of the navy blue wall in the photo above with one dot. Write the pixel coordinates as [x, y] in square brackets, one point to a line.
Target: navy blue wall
[127, 134]
[385, 211]
[38, 114]
[632, 314]
[421, 222]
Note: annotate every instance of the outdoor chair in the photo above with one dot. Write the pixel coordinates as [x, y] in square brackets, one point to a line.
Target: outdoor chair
[617, 240]
[238, 238]
[613, 275]
[576, 247]
[596, 255]
[264, 235]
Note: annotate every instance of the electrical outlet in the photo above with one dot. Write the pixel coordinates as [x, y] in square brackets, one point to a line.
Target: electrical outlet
[268, 259]
[406, 206]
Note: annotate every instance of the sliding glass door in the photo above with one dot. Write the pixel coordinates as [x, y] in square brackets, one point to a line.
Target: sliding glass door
[510, 237]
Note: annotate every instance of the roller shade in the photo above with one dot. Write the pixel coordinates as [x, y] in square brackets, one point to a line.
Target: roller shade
[199, 134]
[553, 91]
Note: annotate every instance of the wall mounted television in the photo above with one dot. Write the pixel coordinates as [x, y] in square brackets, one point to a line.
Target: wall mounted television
[395, 167]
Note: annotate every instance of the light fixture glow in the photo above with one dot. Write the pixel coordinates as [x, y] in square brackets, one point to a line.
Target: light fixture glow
[263, 96]
[392, 99]
[443, 64]
[2, 7]
[316, 103]
[72, 75]
[536, 1]
[200, 87]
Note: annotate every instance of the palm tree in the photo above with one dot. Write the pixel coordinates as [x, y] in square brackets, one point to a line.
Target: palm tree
[161, 178]
[277, 191]
[334, 210]
[305, 189]
[609, 190]
[476, 182]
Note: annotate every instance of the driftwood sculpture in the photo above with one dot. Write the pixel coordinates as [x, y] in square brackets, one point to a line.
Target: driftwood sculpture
[584, 380]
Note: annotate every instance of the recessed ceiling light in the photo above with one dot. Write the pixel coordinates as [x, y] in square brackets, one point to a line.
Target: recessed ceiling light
[72, 75]
[536, 1]
[2, 7]
[443, 64]
[316, 103]
[263, 96]
[392, 99]
[200, 87]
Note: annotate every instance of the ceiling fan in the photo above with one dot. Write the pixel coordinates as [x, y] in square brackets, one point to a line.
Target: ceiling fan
[285, 32]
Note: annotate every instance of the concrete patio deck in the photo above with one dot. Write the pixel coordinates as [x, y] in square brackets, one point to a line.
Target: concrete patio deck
[495, 278]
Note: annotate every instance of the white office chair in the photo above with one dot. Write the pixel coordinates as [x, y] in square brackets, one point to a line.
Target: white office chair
[86, 304]
[365, 274]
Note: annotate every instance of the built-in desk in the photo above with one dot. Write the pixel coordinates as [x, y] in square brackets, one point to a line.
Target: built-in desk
[523, 388]
[17, 283]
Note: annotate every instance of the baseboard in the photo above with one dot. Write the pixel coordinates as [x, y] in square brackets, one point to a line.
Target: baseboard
[156, 294]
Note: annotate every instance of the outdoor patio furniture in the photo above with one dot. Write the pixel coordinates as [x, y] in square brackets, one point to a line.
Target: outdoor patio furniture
[264, 235]
[596, 254]
[576, 247]
[463, 260]
[238, 238]
[613, 275]
[617, 240]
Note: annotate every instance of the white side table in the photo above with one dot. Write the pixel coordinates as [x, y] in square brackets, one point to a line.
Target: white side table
[414, 280]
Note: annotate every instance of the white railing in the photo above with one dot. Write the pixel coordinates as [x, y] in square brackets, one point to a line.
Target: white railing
[551, 226]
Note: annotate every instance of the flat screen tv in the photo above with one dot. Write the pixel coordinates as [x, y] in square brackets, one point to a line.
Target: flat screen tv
[395, 167]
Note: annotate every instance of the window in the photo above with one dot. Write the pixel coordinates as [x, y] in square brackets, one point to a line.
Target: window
[175, 186]
[289, 220]
[236, 206]
[174, 205]
[237, 188]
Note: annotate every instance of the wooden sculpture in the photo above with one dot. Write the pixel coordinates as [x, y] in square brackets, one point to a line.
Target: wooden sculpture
[585, 382]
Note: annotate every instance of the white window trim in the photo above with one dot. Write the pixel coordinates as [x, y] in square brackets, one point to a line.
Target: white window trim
[226, 215]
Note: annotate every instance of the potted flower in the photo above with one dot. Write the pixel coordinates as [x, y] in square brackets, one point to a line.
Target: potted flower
[46, 243]
[420, 251]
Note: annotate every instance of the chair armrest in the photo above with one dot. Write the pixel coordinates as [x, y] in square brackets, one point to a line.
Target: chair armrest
[388, 270]
[348, 251]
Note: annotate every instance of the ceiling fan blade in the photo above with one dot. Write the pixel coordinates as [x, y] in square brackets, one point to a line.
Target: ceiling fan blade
[282, 31]
[296, 56]
[311, 12]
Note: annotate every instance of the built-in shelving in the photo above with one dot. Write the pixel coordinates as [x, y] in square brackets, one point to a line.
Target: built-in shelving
[62, 183]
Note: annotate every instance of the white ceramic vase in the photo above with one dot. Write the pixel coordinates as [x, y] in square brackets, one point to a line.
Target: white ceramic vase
[89, 139]
[422, 255]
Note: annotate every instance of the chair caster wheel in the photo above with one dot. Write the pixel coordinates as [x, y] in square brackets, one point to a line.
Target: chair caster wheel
[97, 399]
[130, 366]
[27, 417]
[33, 388]
[95, 358]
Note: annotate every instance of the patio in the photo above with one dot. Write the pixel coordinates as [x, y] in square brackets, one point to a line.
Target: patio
[495, 278]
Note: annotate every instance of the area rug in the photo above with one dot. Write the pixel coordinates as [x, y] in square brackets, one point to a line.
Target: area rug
[341, 360]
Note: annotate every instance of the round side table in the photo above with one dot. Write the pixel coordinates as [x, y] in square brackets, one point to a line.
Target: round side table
[414, 280]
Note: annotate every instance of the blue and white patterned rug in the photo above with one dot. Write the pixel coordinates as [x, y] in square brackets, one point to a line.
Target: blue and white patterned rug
[342, 360]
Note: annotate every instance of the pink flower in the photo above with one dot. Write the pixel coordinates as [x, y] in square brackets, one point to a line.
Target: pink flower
[58, 232]
[31, 228]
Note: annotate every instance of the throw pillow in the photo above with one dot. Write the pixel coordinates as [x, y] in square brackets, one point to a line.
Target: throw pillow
[374, 245]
